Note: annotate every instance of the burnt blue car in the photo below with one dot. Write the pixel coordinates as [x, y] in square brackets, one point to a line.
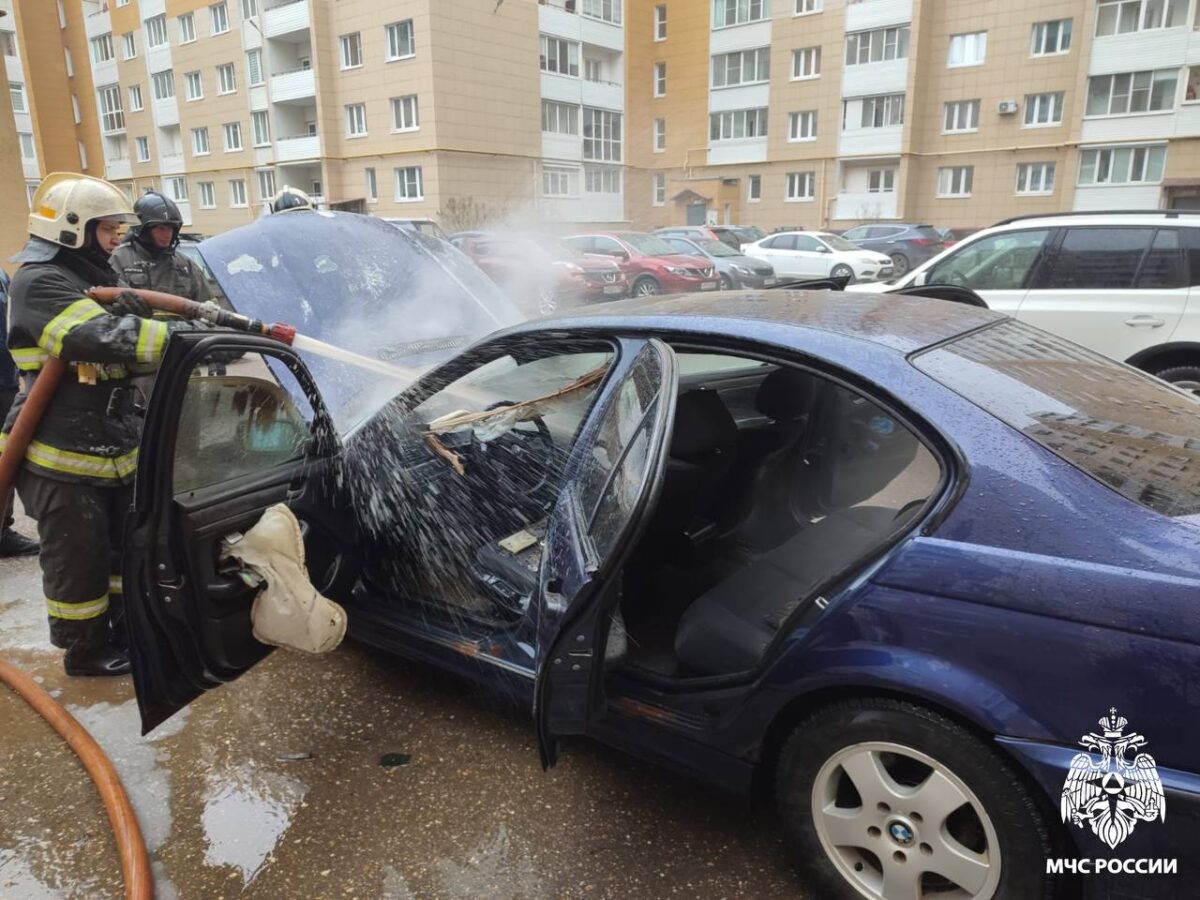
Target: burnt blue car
[888, 559]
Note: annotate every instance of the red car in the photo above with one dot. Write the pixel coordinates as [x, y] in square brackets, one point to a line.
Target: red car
[651, 264]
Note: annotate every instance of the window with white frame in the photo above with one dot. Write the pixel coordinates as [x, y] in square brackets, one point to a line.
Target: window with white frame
[1035, 178]
[1131, 92]
[156, 31]
[1191, 92]
[70, 63]
[254, 69]
[737, 123]
[605, 10]
[177, 187]
[1128, 16]
[8, 43]
[967, 49]
[193, 85]
[122, 3]
[601, 135]
[400, 42]
[142, 148]
[658, 188]
[559, 57]
[208, 195]
[266, 183]
[372, 186]
[881, 111]
[741, 67]
[187, 28]
[560, 181]
[1122, 165]
[164, 84]
[62, 14]
[591, 70]
[602, 179]
[754, 188]
[75, 113]
[660, 22]
[200, 146]
[955, 181]
[351, 45]
[260, 123]
[739, 12]
[135, 98]
[130, 40]
[249, 11]
[112, 115]
[802, 126]
[28, 151]
[406, 113]
[356, 120]
[877, 45]
[237, 192]
[16, 93]
[801, 185]
[961, 115]
[881, 181]
[560, 118]
[660, 79]
[803, 7]
[806, 63]
[660, 135]
[102, 48]
[220, 18]
[1049, 38]
[226, 79]
[1043, 109]
[83, 161]
[408, 184]
[233, 136]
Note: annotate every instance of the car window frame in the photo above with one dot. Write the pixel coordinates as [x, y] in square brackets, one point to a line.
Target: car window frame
[1044, 265]
[1036, 268]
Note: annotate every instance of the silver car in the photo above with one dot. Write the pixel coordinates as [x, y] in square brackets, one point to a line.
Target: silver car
[736, 270]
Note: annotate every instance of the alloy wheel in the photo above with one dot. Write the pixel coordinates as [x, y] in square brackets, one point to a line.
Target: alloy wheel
[899, 265]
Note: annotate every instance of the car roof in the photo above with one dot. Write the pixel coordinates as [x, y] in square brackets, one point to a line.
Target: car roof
[1149, 217]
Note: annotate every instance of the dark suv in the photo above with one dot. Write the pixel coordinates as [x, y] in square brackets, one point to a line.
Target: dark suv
[907, 245]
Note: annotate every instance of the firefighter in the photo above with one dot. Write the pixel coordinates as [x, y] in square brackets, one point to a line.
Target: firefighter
[290, 198]
[147, 258]
[76, 479]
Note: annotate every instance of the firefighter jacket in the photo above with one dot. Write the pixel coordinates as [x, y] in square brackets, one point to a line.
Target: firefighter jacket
[168, 271]
[89, 433]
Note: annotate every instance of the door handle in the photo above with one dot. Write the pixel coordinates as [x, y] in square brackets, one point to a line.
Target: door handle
[1145, 322]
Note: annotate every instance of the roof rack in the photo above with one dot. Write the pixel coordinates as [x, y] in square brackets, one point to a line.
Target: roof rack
[1165, 213]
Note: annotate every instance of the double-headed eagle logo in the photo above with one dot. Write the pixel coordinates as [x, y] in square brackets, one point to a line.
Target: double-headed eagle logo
[1111, 793]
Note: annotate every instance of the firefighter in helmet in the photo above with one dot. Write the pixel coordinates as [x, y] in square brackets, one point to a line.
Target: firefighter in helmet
[148, 259]
[290, 198]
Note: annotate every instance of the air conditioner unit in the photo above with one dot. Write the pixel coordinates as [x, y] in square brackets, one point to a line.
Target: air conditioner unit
[1007, 107]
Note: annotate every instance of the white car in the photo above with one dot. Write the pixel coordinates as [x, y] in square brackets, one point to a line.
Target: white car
[818, 254]
[1123, 284]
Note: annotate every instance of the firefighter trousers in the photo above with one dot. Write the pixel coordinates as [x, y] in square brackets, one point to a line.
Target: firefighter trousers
[81, 530]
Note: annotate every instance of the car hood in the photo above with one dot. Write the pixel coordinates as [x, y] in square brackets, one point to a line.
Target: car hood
[743, 260]
[360, 284]
[866, 256]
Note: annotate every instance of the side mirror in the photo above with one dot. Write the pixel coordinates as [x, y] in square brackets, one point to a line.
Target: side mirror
[823, 249]
[621, 255]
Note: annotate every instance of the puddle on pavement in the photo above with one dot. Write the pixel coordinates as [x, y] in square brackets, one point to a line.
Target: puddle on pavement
[17, 880]
[246, 812]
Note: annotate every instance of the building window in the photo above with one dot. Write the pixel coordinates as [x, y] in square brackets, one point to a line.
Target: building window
[62, 15]
[351, 50]
[1050, 37]
[881, 181]
[754, 188]
[802, 126]
[406, 114]
[177, 187]
[237, 192]
[112, 116]
[881, 44]
[1043, 109]
[741, 67]
[801, 185]
[164, 84]
[372, 186]
[27, 149]
[408, 184]
[880, 112]
[156, 31]
[266, 184]
[254, 69]
[249, 11]
[560, 181]
[16, 93]
[193, 85]
[967, 49]
[660, 79]
[200, 142]
[1192, 92]
[356, 120]
[83, 162]
[737, 123]
[602, 179]
[560, 118]
[660, 135]
[70, 63]
[400, 43]
[260, 122]
[804, 7]
[102, 48]
[961, 115]
[75, 113]
[658, 183]
[8, 43]
[1122, 165]
[601, 135]
[1131, 92]
[142, 146]
[660, 22]
[605, 10]
[806, 63]
[591, 69]
[1035, 178]
[220, 18]
[955, 181]
[135, 98]
[208, 195]
[226, 79]
[187, 28]
[1127, 16]
[559, 56]
[233, 136]
[130, 40]
[739, 12]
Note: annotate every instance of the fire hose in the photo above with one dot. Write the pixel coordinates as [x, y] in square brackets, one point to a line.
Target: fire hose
[135, 862]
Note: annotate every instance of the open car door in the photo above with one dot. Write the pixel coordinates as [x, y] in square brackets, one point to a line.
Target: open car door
[613, 480]
[235, 425]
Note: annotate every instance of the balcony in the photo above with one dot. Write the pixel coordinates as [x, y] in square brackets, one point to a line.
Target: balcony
[118, 168]
[185, 210]
[293, 87]
[883, 141]
[886, 77]
[171, 164]
[298, 148]
[863, 16]
[284, 19]
[97, 23]
[562, 18]
[604, 94]
[737, 150]
[864, 206]
[30, 169]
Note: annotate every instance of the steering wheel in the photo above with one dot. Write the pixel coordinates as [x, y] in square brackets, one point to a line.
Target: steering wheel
[528, 462]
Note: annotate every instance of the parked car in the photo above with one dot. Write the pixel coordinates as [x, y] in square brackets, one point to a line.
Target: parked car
[651, 265]
[424, 226]
[1126, 285]
[733, 235]
[736, 270]
[884, 558]
[907, 245]
[819, 254]
[951, 236]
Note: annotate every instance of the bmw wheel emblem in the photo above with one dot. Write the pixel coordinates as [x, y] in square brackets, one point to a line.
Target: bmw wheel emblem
[901, 833]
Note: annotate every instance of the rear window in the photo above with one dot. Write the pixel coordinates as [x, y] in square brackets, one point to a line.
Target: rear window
[1125, 429]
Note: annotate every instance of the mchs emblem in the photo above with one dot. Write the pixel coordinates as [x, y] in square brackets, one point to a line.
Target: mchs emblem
[1112, 793]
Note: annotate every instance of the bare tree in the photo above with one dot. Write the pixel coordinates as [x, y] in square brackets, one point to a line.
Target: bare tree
[469, 213]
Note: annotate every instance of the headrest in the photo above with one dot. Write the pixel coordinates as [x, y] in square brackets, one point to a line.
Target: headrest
[702, 425]
[786, 395]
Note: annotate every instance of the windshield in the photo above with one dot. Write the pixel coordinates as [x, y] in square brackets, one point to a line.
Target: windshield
[750, 235]
[648, 244]
[715, 248]
[560, 250]
[838, 243]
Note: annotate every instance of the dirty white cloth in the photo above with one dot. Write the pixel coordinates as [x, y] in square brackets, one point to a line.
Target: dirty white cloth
[288, 612]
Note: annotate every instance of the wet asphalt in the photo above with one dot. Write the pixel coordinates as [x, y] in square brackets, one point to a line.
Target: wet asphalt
[273, 787]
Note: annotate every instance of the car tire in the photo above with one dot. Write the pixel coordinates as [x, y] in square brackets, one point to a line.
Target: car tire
[900, 265]
[727, 283]
[646, 286]
[890, 743]
[841, 270]
[1185, 378]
